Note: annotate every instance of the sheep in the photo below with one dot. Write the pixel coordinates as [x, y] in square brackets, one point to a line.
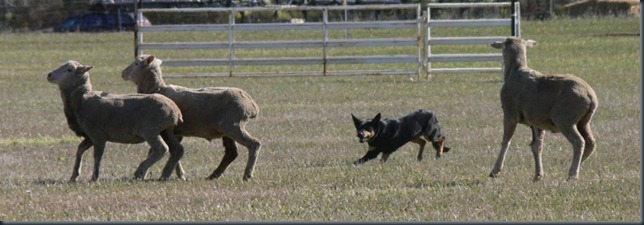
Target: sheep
[99, 117]
[557, 103]
[210, 113]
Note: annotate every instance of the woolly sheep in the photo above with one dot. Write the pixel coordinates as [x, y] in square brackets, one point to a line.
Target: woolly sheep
[100, 117]
[210, 113]
[558, 103]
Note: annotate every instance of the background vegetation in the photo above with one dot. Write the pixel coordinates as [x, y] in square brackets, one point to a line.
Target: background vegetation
[304, 172]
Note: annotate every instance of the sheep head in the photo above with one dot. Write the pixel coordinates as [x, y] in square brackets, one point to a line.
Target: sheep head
[69, 74]
[513, 43]
[514, 51]
[141, 65]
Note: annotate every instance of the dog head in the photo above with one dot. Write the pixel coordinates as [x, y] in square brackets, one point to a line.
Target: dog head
[366, 129]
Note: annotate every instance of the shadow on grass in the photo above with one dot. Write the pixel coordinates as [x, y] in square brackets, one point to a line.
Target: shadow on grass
[619, 34]
[448, 184]
[124, 179]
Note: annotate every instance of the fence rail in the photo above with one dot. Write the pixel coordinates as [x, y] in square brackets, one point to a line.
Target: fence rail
[420, 22]
[512, 22]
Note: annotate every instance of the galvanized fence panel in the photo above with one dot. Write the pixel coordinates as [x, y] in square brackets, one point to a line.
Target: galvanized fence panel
[423, 57]
[512, 22]
[324, 42]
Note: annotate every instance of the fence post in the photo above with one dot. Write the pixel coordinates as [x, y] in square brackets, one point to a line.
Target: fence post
[517, 20]
[137, 34]
[428, 65]
[419, 34]
[325, 21]
[231, 40]
[425, 43]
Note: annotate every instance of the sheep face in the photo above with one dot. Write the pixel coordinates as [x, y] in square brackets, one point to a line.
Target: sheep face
[68, 72]
[137, 69]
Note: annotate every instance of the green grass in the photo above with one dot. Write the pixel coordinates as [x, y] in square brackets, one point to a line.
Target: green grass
[303, 172]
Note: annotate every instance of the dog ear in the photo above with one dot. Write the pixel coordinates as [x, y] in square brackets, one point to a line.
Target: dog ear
[376, 119]
[356, 121]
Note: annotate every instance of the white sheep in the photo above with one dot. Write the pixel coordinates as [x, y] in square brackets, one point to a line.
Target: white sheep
[558, 103]
[210, 113]
[101, 117]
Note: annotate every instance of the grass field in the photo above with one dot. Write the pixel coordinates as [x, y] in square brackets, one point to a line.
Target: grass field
[304, 172]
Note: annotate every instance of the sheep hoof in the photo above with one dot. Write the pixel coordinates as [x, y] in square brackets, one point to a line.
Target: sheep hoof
[214, 175]
[537, 178]
[420, 158]
[573, 178]
[247, 177]
[494, 174]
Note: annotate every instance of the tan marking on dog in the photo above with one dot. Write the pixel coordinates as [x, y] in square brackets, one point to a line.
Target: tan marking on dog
[367, 134]
[439, 150]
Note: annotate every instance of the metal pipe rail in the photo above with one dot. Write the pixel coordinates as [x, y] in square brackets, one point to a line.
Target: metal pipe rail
[324, 42]
[512, 22]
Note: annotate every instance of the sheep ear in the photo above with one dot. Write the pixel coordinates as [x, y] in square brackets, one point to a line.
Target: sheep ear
[154, 61]
[149, 59]
[530, 43]
[497, 44]
[83, 69]
[356, 121]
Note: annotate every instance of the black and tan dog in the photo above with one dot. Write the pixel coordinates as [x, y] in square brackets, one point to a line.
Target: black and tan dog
[386, 136]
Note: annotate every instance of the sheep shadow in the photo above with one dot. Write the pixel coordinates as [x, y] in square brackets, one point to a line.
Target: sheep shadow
[448, 184]
[123, 179]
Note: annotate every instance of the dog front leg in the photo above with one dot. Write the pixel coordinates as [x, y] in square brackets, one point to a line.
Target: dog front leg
[371, 154]
[384, 157]
[421, 144]
[439, 146]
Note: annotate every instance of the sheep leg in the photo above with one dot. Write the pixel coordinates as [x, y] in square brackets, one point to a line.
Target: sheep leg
[99, 148]
[536, 145]
[82, 147]
[587, 134]
[158, 150]
[229, 156]
[574, 137]
[420, 142]
[176, 152]
[179, 169]
[241, 136]
[509, 127]
[253, 146]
